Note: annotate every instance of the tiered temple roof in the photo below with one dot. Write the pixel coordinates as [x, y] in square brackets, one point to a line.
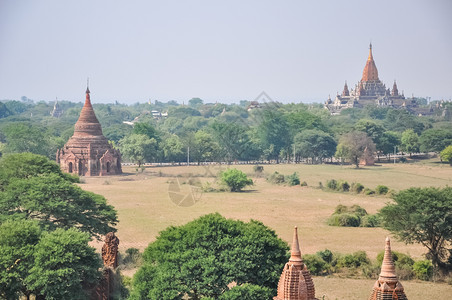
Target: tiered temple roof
[295, 282]
[388, 286]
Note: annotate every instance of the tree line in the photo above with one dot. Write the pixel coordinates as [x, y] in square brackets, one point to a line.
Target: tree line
[208, 132]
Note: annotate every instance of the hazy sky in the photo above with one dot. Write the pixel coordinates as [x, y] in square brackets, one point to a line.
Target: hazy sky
[220, 50]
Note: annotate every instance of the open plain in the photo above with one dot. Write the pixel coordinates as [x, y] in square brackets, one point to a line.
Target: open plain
[160, 196]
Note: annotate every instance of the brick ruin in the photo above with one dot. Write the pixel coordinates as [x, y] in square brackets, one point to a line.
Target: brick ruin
[106, 286]
[88, 153]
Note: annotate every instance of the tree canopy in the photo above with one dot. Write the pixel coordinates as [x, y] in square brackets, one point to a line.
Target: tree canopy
[203, 257]
[32, 187]
[423, 215]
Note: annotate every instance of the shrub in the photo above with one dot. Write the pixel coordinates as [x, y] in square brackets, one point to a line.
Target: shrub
[304, 183]
[370, 221]
[258, 169]
[381, 190]
[342, 186]
[371, 270]
[292, 179]
[235, 179]
[423, 269]
[340, 209]
[326, 255]
[344, 219]
[357, 187]
[331, 184]
[368, 191]
[354, 260]
[276, 178]
[316, 265]
[358, 210]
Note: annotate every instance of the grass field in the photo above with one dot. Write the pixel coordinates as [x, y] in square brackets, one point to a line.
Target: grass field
[145, 207]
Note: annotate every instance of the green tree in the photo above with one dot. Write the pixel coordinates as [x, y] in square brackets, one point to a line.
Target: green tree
[25, 137]
[173, 149]
[65, 266]
[352, 146]
[247, 292]
[138, 148]
[314, 144]
[235, 179]
[147, 129]
[423, 215]
[446, 154]
[32, 187]
[388, 141]
[203, 257]
[410, 141]
[204, 147]
[17, 245]
[273, 133]
[435, 140]
[195, 102]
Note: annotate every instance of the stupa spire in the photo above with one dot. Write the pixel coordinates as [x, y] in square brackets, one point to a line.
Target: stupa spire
[370, 72]
[370, 52]
[295, 253]
[388, 287]
[295, 282]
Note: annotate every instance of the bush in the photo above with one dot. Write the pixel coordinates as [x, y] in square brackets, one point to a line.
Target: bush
[304, 183]
[345, 219]
[357, 187]
[331, 184]
[235, 179]
[342, 186]
[246, 291]
[292, 179]
[340, 209]
[258, 169]
[354, 260]
[381, 190]
[368, 191]
[326, 255]
[371, 221]
[358, 210]
[423, 269]
[316, 265]
[276, 178]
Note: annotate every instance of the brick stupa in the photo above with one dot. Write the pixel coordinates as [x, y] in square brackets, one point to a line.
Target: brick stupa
[388, 286]
[88, 153]
[295, 282]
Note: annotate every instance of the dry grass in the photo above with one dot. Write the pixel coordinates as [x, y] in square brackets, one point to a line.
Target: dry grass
[331, 288]
[144, 208]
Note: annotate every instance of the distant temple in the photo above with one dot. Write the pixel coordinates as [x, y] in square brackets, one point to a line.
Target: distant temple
[369, 90]
[295, 282]
[388, 286]
[88, 153]
[57, 111]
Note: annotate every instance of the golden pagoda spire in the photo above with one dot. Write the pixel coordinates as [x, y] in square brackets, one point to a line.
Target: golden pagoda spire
[370, 52]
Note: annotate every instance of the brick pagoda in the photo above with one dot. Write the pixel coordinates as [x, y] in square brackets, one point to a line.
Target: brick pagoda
[295, 282]
[88, 153]
[388, 286]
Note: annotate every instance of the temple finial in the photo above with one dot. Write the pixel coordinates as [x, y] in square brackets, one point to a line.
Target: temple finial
[87, 86]
[295, 253]
[387, 267]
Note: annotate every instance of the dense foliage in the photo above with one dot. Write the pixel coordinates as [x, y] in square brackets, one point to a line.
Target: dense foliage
[423, 215]
[203, 132]
[235, 179]
[202, 258]
[34, 188]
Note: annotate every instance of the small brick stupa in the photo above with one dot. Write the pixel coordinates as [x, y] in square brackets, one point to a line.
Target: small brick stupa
[88, 153]
[295, 282]
[388, 287]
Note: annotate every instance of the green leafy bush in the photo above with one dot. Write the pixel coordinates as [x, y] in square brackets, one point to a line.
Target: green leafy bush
[292, 179]
[326, 255]
[235, 179]
[331, 184]
[316, 265]
[246, 291]
[354, 260]
[358, 210]
[342, 186]
[371, 221]
[345, 220]
[368, 191]
[304, 183]
[357, 187]
[423, 269]
[276, 178]
[258, 169]
[381, 189]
